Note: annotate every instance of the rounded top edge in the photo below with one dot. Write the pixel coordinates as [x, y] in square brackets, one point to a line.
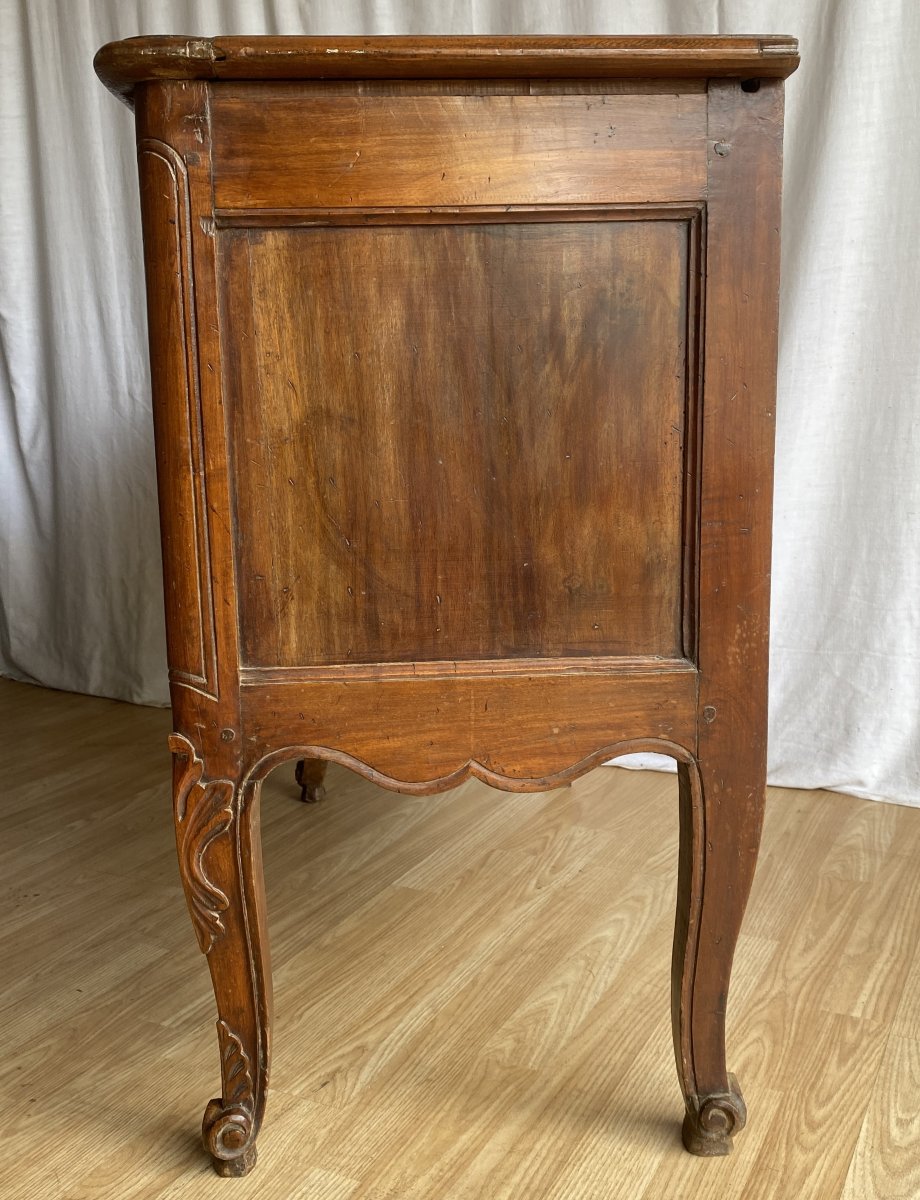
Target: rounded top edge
[124, 64]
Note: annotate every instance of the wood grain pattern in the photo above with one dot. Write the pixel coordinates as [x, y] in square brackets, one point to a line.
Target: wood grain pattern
[453, 150]
[472, 437]
[885, 1161]
[430, 954]
[478, 499]
[519, 732]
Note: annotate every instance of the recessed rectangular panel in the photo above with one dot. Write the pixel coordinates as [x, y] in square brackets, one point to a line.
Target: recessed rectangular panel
[458, 441]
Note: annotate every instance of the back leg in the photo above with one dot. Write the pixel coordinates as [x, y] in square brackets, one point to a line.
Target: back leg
[310, 773]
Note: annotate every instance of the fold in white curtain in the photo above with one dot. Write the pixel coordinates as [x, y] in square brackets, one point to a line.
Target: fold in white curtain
[80, 589]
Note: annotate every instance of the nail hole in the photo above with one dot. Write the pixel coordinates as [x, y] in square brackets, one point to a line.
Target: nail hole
[750, 85]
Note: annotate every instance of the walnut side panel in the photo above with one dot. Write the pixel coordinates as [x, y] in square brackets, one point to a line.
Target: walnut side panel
[453, 150]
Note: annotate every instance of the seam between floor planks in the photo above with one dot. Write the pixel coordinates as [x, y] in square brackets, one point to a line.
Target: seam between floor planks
[471, 989]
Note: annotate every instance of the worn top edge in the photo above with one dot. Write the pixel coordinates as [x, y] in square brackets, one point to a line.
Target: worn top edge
[125, 64]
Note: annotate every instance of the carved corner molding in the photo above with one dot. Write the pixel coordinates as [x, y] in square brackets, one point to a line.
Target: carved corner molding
[199, 672]
[204, 812]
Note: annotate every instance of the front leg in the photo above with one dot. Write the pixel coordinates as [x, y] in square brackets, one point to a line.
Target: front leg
[721, 813]
[220, 861]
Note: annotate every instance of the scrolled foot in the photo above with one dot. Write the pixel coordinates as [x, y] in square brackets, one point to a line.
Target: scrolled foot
[234, 1167]
[228, 1136]
[309, 774]
[708, 1130]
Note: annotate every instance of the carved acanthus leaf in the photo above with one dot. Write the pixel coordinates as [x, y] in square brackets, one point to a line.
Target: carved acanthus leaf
[204, 812]
[229, 1125]
[236, 1074]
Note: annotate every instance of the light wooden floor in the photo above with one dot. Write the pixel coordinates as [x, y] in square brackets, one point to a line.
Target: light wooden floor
[471, 989]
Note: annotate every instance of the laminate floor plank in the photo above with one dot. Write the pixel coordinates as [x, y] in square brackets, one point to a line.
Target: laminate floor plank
[471, 990]
[885, 1163]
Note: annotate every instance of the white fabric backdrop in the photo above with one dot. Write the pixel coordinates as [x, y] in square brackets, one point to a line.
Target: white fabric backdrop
[80, 590]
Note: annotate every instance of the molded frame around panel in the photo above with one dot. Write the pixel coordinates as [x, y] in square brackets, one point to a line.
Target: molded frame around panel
[693, 214]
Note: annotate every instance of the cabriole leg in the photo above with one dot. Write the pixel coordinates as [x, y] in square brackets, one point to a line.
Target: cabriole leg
[719, 836]
[220, 861]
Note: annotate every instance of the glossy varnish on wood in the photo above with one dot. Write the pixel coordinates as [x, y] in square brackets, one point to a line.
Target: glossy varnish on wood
[464, 375]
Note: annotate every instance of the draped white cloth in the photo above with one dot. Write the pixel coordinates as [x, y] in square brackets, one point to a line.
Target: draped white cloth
[80, 588]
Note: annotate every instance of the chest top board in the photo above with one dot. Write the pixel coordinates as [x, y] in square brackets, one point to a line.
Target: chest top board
[463, 359]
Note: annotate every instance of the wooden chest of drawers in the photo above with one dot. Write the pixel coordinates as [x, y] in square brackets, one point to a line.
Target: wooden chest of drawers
[463, 358]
